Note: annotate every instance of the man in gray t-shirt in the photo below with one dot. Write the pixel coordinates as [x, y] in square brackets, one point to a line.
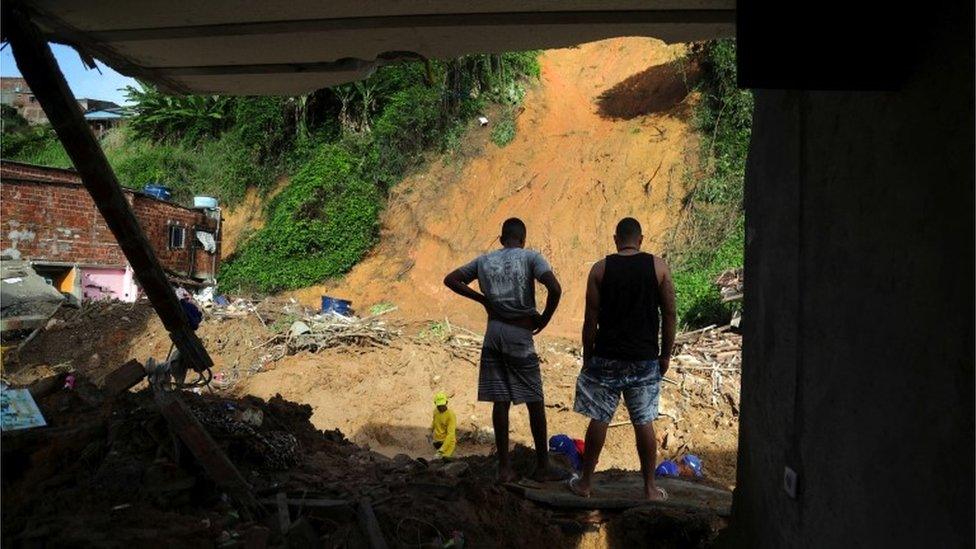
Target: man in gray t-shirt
[509, 371]
[507, 280]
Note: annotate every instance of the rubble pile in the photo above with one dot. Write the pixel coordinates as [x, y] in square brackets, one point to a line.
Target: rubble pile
[701, 394]
[710, 349]
[731, 284]
[110, 472]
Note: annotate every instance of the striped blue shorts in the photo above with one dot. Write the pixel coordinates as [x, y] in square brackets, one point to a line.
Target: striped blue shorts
[509, 369]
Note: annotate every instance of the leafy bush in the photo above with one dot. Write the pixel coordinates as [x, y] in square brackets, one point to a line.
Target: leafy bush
[157, 116]
[37, 145]
[503, 131]
[318, 227]
[713, 238]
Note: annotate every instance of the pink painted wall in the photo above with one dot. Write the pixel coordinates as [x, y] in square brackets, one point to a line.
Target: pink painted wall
[107, 283]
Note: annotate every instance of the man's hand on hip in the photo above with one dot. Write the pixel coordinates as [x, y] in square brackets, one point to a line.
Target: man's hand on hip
[539, 323]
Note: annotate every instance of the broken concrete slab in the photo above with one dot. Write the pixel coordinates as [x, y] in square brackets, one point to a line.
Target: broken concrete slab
[624, 491]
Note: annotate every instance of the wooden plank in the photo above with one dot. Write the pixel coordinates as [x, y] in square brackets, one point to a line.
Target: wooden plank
[46, 386]
[299, 502]
[571, 501]
[370, 526]
[40, 70]
[623, 492]
[123, 378]
[284, 518]
[208, 453]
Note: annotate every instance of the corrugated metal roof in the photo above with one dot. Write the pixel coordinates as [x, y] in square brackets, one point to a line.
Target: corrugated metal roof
[268, 48]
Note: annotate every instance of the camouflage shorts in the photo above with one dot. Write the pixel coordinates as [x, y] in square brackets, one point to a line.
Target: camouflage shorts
[602, 381]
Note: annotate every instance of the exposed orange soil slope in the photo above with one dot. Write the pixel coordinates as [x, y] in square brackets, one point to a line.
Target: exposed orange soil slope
[245, 218]
[604, 134]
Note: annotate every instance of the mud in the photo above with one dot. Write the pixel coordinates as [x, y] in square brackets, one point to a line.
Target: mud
[604, 134]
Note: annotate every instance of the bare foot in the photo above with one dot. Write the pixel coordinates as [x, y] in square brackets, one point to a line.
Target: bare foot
[576, 487]
[656, 494]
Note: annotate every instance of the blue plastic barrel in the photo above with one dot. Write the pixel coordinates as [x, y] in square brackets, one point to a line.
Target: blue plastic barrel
[335, 305]
[158, 191]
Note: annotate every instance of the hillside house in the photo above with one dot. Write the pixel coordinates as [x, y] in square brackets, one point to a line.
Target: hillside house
[50, 219]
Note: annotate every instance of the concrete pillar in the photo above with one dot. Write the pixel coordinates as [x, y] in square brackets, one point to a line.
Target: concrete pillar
[858, 352]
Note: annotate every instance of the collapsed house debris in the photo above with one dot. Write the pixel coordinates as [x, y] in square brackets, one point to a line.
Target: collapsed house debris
[731, 284]
[272, 444]
[114, 468]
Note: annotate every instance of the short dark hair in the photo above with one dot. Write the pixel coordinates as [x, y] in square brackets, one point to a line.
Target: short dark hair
[513, 229]
[628, 229]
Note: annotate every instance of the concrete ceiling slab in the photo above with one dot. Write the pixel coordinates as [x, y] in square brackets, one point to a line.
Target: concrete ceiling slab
[271, 48]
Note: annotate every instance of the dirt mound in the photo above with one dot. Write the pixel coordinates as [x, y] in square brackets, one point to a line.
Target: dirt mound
[379, 394]
[109, 475]
[575, 167]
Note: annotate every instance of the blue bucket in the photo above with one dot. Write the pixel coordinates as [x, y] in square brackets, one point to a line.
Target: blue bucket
[335, 305]
[158, 191]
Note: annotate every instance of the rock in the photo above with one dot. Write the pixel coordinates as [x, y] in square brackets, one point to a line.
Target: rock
[402, 461]
[455, 468]
[484, 435]
[298, 328]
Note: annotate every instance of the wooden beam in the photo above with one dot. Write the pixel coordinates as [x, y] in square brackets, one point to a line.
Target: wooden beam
[40, 70]
[123, 378]
[207, 452]
[370, 526]
[284, 517]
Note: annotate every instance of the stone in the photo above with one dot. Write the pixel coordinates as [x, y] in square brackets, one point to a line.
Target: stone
[455, 468]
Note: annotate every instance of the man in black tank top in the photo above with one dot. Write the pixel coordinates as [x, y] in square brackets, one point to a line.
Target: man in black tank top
[629, 297]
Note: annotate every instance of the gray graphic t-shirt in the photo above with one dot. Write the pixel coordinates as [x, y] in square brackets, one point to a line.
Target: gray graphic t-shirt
[507, 278]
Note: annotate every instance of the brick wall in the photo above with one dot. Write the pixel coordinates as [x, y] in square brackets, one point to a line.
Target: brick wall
[47, 215]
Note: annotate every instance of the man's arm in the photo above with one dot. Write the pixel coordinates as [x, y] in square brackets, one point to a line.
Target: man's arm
[553, 293]
[669, 315]
[458, 280]
[592, 309]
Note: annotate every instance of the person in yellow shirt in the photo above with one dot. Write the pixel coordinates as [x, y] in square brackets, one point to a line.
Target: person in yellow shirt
[443, 427]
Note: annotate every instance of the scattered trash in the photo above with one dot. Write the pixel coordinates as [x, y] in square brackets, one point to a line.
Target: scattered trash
[18, 410]
[483, 121]
[690, 466]
[298, 328]
[206, 295]
[69, 382]
[667, 468]
[566, 446]
[730, 284]
[335, 305]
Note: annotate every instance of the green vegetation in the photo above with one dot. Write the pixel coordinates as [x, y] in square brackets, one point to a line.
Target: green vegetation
[318, 227]
[37, 145]
[503, 132]
[712, 238]
[381, 307]
[343, 147]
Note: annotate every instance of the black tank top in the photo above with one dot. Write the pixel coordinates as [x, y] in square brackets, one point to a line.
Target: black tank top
[628, 323]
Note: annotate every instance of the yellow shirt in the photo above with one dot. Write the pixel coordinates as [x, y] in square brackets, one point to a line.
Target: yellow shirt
[443, 426]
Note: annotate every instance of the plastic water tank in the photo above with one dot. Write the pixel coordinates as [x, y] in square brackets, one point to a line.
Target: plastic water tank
[207, 202]
[158, 191]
